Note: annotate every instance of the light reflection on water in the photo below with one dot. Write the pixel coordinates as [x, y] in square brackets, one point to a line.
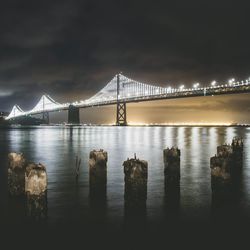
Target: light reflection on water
[69, 201]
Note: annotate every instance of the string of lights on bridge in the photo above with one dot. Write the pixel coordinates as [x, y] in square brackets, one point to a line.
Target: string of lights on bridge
[129, 91]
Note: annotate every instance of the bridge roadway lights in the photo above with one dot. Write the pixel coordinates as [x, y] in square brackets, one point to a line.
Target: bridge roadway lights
[121, 114]
[73, 115]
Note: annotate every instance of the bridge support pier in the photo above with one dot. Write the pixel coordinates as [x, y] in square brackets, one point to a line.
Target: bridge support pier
[46, 117]
[121, 114]
[73, 115]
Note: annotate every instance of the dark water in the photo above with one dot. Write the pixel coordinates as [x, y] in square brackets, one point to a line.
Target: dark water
[69, 202]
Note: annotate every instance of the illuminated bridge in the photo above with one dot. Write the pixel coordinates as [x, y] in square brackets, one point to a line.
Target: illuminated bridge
[122, 90]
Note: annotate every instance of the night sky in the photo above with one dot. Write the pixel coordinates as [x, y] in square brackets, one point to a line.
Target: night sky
[71, 49]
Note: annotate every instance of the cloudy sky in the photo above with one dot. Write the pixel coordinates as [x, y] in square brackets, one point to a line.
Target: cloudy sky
[71, 49]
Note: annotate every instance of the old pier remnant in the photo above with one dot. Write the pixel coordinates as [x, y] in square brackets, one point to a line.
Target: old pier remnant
[98, 172]
[98, 161]
[226, 165]
[28, 179]
[36, 190]
[98, 184]
[171, 157]
[221, 165]
[135, 193]
[16, 173]
[238, 146]
[35, 179]
[136, 176]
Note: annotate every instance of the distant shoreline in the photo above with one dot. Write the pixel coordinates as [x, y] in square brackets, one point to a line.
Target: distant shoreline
[110, 125]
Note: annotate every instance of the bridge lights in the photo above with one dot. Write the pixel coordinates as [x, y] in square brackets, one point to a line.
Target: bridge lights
[181, 87]
[231, 81]
[169, 90]
[196, 85]
[213, 83]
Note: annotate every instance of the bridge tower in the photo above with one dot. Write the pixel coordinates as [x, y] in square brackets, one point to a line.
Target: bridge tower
[46, 117]
[121, 111]
[45, 114]
[73, 115]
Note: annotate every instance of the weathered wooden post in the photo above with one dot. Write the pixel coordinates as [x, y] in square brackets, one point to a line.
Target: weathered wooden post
[98, 177]
[98, 172]
[36, 190]
[224, 150]
[98, 183]
[16, 173]
[237, 147]
[226, 168]
[221, 165]
[171, 158]
[225, 181]
[136, 177]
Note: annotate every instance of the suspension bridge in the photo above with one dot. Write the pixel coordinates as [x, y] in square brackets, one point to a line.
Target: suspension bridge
[122, 90]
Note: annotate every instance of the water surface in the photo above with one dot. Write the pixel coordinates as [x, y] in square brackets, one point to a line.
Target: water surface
[68, 200]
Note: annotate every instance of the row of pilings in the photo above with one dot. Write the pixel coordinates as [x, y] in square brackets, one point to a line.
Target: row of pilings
[30, 179]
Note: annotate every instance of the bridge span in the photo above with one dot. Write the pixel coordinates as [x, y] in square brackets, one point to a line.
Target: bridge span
[122, 90]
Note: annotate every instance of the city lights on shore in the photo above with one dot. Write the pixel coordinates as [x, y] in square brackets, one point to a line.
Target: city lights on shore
[135, 123]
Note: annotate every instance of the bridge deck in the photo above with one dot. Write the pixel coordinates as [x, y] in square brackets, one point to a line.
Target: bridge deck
[122, 89]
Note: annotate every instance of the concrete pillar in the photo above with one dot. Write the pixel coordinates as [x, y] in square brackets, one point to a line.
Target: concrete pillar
[73, 115]
[16, 173]
[136, 177]
[45, 117]
[36, 190]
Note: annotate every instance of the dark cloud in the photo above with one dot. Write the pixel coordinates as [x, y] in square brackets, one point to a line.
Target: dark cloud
[70, 49]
